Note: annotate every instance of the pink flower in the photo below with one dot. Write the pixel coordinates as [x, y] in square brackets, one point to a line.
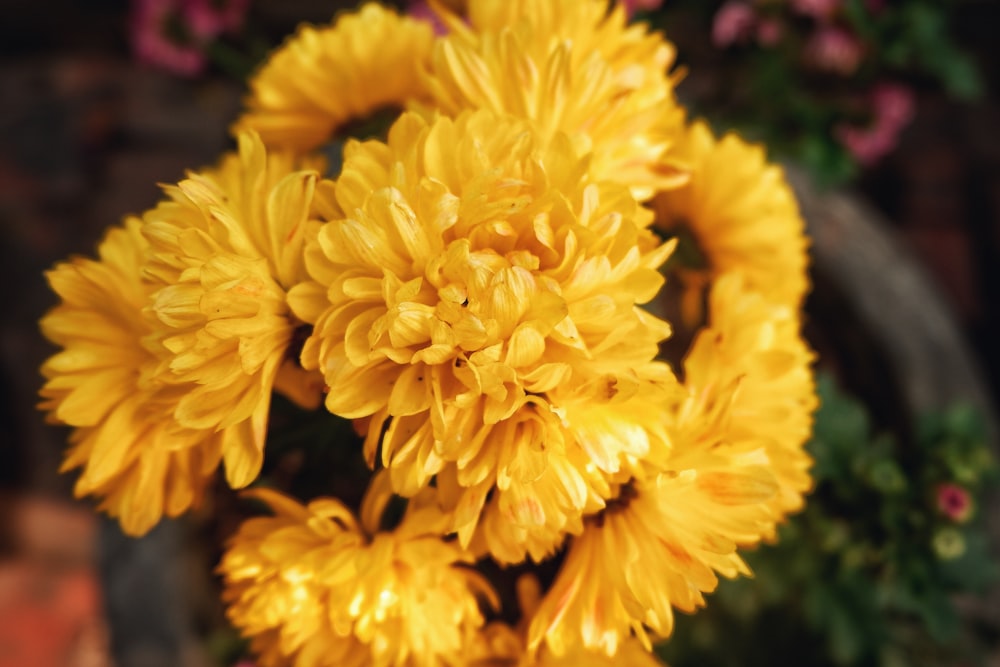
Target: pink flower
[157, 32]
[892, 109]
[868, 145]
[818, 9]
[893, 104]
[769, 32]
[173, 34]
[208, 19]
[633, 6]
[733, 23]
[954, 502]
[834, 50]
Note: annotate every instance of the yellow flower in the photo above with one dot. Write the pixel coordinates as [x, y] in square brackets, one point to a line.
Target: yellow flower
[660, 545]
[736, 468]
[479, 301]
[224, 248]
[569, 66]
[750, 387]
[312, 587]
[533, 501]
[742, 216]
[322, 78]
[500, 645]
[630, 654]
[131, 450]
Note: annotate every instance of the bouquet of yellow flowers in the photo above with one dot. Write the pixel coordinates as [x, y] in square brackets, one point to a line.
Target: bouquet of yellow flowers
[481, 293]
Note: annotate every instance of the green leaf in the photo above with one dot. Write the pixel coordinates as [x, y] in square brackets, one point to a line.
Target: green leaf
[939, 616]
[887, 477]
[846, 641]
[960, 76]
[976, 569]
[841, 428]
[964, 421]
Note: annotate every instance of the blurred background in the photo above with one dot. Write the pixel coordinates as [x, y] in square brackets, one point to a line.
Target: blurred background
[887, 113]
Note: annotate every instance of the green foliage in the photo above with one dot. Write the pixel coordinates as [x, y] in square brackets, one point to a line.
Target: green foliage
[923, 42]
[867, 573]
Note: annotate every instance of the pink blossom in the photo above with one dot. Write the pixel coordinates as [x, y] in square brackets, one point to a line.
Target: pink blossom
[954, 502]
[769, 32]
[173, 34]
[868, 145]
[834, 50]
[210, 18]
[633, 6]
[818, 9]
[893, 104]
[154, 43]
[892, 109]
[733, 23]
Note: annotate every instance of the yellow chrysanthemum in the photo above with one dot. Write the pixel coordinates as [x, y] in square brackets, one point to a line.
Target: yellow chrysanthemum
[736, 469]
[131, 451]
[313, 588]
[480, 303]
[569, 66]
[630, 654]
[224, 248]
[324, 77]
[500, 645]
[742, 216]
[750, 387]
[660, 545]
[534, 496]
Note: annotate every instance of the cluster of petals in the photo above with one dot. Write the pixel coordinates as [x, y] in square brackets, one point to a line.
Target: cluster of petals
[175, 337]
[480, 304]
[480, 293]
[314, 585]
[324, 77]
[569, 67]
[742, 215]
[736, 470]
[131, 451]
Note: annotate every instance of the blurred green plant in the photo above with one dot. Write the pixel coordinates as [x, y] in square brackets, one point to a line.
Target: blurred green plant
[828, 83]
[867, 574]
